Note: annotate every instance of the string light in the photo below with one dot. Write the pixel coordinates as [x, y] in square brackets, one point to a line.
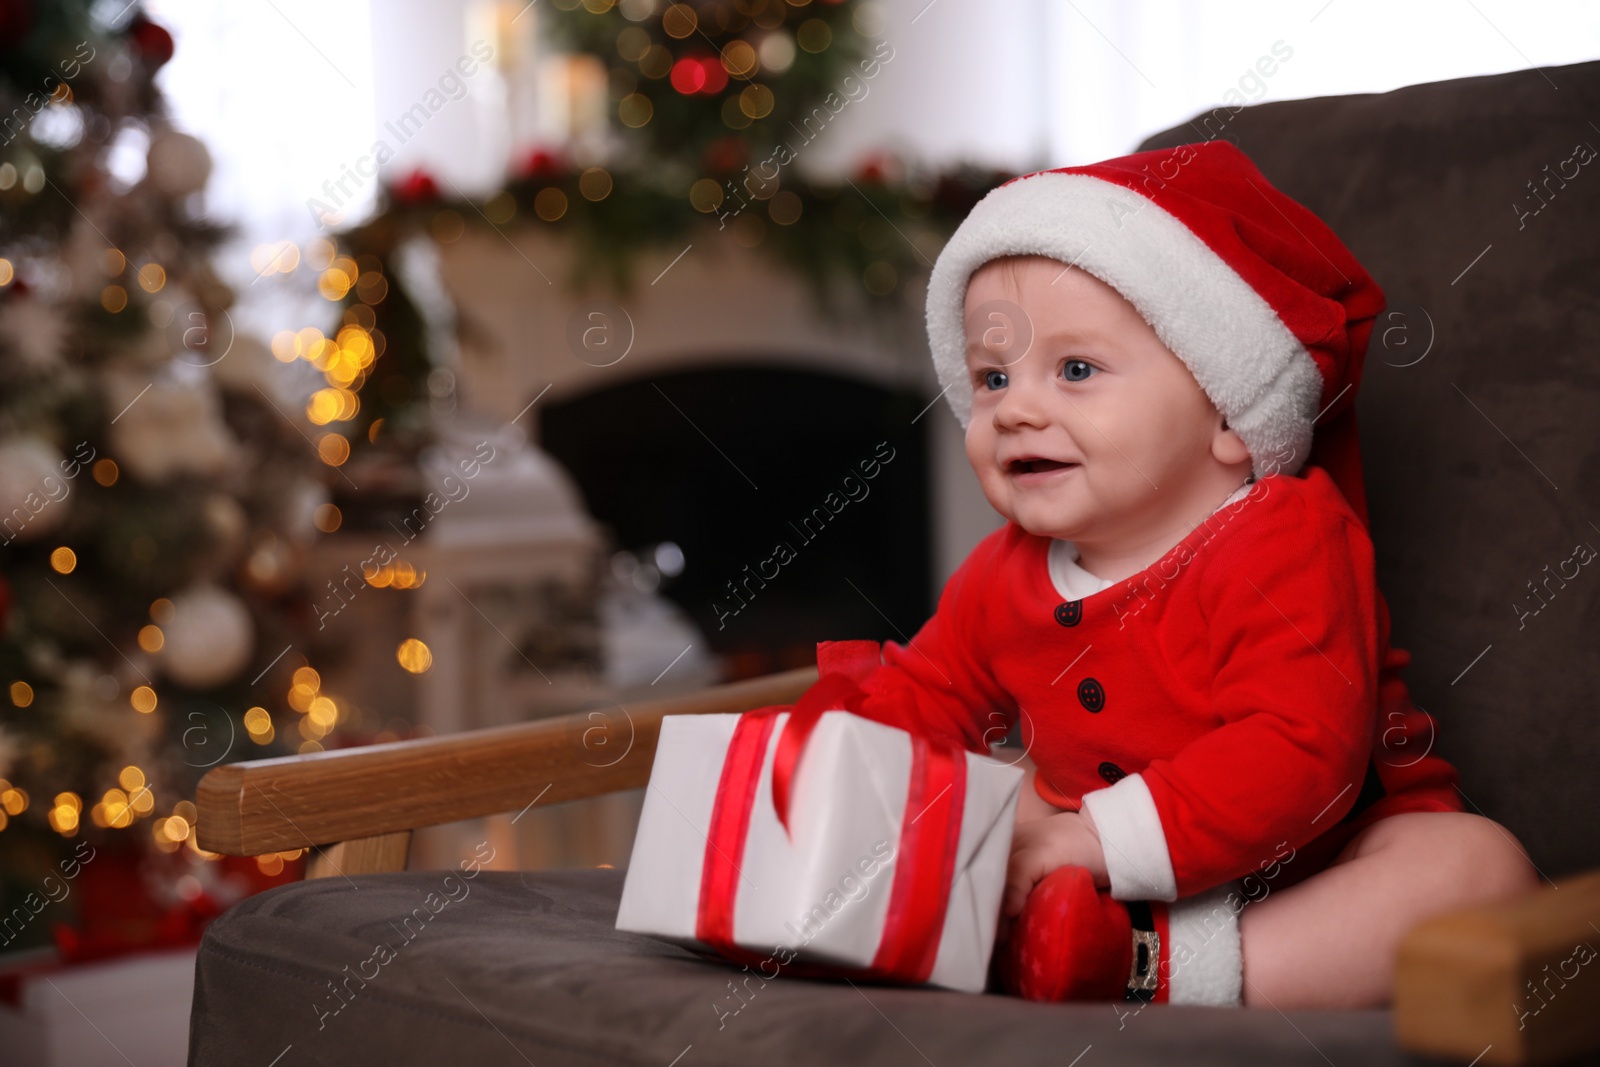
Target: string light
[320, 713]
[63, 814]
[550, 204]
[319, 253]
[501, 208]
[13, 799]
[635, 110]
[285, 346]
[595, 183]
[396, 575]
[813, 35]
[333, 448]
[414, 656]
[679, 21]
[258, 723]
[705, 195]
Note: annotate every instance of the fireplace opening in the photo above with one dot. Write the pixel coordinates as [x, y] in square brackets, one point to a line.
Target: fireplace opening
[799, 500]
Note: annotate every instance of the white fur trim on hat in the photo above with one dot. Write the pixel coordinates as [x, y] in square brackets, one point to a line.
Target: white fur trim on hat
[1254, 369]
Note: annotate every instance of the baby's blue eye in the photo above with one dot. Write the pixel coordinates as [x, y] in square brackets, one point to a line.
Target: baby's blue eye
[1076, 370]
[994, 379]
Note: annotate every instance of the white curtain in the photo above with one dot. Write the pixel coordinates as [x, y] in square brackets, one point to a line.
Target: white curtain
[281, 91]
[1120, 71]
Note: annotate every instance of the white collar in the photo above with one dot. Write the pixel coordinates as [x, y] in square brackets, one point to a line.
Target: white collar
[1075, 583]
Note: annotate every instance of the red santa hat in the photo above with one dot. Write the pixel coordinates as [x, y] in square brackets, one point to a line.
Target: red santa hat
[1256, 295]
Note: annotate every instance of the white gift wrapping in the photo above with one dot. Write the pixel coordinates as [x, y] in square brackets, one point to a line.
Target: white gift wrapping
[821, 891]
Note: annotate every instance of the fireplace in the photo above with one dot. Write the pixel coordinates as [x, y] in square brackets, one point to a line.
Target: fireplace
[798, 497]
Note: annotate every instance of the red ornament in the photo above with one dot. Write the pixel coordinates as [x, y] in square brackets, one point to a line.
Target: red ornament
[418, 187]
[5, 603]
[153, 42]
[879, 168]
[716, 75]
[699, 74]
[688, 75]
[542, 163]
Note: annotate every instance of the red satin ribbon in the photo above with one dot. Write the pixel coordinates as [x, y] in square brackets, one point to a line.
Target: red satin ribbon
[730, 825]
[926, 853]
[842, 667]
[925, 863]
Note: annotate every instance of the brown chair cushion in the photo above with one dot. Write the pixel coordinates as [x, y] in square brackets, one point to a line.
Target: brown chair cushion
[1482, 460]
[527, 968]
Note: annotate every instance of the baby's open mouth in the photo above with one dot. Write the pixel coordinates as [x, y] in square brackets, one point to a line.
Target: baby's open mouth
[1036, 465]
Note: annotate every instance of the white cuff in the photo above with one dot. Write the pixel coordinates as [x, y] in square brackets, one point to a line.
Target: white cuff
[1135, 846]
[1203, 949]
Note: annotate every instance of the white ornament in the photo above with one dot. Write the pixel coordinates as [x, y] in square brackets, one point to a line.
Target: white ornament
[34, 490]
[168, 426]
[209, 639]
[177, 164]
[34, 331]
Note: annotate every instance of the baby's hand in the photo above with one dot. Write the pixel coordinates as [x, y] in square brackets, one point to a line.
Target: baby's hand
[1039, 846]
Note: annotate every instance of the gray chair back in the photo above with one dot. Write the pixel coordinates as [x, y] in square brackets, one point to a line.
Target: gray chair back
[1475, 203]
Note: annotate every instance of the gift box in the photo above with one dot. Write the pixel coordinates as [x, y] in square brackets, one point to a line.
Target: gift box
[813, 840]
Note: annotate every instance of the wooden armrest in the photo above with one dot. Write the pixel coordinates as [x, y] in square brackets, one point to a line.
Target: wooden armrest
[1513, 983]
[370, 798]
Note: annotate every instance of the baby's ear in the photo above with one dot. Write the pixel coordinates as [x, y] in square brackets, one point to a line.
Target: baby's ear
[1228, 447]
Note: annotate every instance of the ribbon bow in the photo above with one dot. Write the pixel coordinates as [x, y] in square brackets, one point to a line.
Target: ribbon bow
[842, 667]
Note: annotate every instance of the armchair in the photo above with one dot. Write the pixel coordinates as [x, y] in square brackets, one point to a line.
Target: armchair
[1478, 409]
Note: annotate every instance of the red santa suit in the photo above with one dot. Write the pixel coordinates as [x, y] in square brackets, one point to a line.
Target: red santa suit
[1233, 704]
[1235, 708]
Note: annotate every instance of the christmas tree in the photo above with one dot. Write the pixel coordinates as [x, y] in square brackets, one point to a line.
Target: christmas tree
[154, 499]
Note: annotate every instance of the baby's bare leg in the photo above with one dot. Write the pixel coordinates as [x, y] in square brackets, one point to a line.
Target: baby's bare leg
[1330, 941]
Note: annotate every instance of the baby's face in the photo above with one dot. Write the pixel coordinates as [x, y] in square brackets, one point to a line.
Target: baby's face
[1084, 425]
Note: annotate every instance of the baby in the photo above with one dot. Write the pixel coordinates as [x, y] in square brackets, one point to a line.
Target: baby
[1155, 359]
